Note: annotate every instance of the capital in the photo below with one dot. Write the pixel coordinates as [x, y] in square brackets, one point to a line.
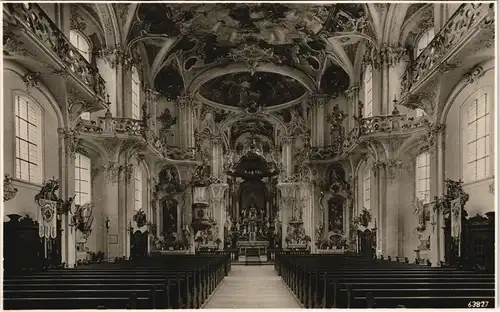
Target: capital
[217, 191]
[351, 92]
[186, 101]
[318, 99]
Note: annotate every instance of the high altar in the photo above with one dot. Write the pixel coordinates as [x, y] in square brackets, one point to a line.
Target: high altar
[254, 189]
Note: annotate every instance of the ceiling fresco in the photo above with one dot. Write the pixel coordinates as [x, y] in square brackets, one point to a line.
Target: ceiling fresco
[263, 88]
[192, 39]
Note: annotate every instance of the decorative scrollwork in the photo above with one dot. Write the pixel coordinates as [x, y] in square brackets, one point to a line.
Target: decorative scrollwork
[9, 191]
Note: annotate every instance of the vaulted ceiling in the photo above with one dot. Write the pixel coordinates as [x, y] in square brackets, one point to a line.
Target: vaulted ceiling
[236, 54]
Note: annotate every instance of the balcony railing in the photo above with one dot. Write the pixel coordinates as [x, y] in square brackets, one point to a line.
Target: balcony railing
[462, 24]
[38, 24]
[137, 128]
[368, 127]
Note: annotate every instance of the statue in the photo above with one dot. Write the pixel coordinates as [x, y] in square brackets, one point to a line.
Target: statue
[336, 119]
[419, 211]
[169, 176]
[48, 191]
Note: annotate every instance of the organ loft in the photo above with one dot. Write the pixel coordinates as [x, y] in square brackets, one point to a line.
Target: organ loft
[152, 135]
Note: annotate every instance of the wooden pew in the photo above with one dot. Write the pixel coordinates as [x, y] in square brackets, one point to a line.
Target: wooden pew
[337, 281]
[151, 283]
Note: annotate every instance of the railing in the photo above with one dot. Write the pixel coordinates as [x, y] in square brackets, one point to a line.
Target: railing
[389, 124]
[39, 25]
[134, 127]
[364, 128]
[463, 23]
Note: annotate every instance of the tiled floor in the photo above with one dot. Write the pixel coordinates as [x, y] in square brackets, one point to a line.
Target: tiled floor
[252, 287]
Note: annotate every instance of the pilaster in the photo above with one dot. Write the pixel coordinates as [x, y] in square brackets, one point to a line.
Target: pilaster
[352, 96]
[287, 155]
[66, 191]
[217, 203]
[185, 106]
[150, 109]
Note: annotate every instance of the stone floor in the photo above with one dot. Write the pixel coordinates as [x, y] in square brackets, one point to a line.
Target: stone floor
[252, 287]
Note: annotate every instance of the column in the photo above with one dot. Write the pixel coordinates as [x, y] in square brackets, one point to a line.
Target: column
[392, 205]
[318, 103]
[392, 69]
[437, 189]
[217, 155]
[106, 175]
[287, 155]
[218, 209]
[150, 108]
[287, 202]
[378, 189]
[306, 202]
[185, 106]
[352, 96]
[66, 191]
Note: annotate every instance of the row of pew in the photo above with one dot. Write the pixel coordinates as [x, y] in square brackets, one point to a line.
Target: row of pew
[338, 281]
[164, 282]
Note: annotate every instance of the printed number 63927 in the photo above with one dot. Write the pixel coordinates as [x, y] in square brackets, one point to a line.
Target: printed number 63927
[478, 304]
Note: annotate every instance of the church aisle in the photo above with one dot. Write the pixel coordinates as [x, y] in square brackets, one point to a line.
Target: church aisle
[252, 287]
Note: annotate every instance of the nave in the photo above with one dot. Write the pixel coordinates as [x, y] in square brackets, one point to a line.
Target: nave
[297, 280]
[252, 287]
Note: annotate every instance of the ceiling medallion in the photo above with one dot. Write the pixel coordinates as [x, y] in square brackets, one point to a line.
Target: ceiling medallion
[253, 56]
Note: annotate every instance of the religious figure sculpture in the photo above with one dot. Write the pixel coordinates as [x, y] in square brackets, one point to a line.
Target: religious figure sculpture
[169, 176]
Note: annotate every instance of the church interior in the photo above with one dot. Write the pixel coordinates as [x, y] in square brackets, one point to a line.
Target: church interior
[165, 155]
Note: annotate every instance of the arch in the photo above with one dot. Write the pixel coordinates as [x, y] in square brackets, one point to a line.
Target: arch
[413, 142]
[274, 120]
[296, 74]
[164, 167]
[99, 153]
[394, 23]
[9, 65]
[109, 22]
[412, 23]
[461, 85]
[127, 25]
[73, 33]
[372, 13]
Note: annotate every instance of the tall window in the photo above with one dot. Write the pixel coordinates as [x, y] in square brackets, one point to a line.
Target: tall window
[80, 43]
[366, 190]
[28, 119]
[368, 109]
[83, 184]
[478, 139]
[136, 110]
[424, 41]
[423, 177]
[138, 189]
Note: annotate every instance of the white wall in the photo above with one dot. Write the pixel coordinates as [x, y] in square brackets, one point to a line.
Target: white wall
[480, 198]
[24, 202]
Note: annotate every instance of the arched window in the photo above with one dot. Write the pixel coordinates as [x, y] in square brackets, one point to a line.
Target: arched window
[478, 139]
[424, 41]
[368, 109]
[366, 189]
[28, 119]
[83, 184]
[137, 188]
[136, 110]
[423, 177]
[419, 112]
[80, 43]
[85, 116]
